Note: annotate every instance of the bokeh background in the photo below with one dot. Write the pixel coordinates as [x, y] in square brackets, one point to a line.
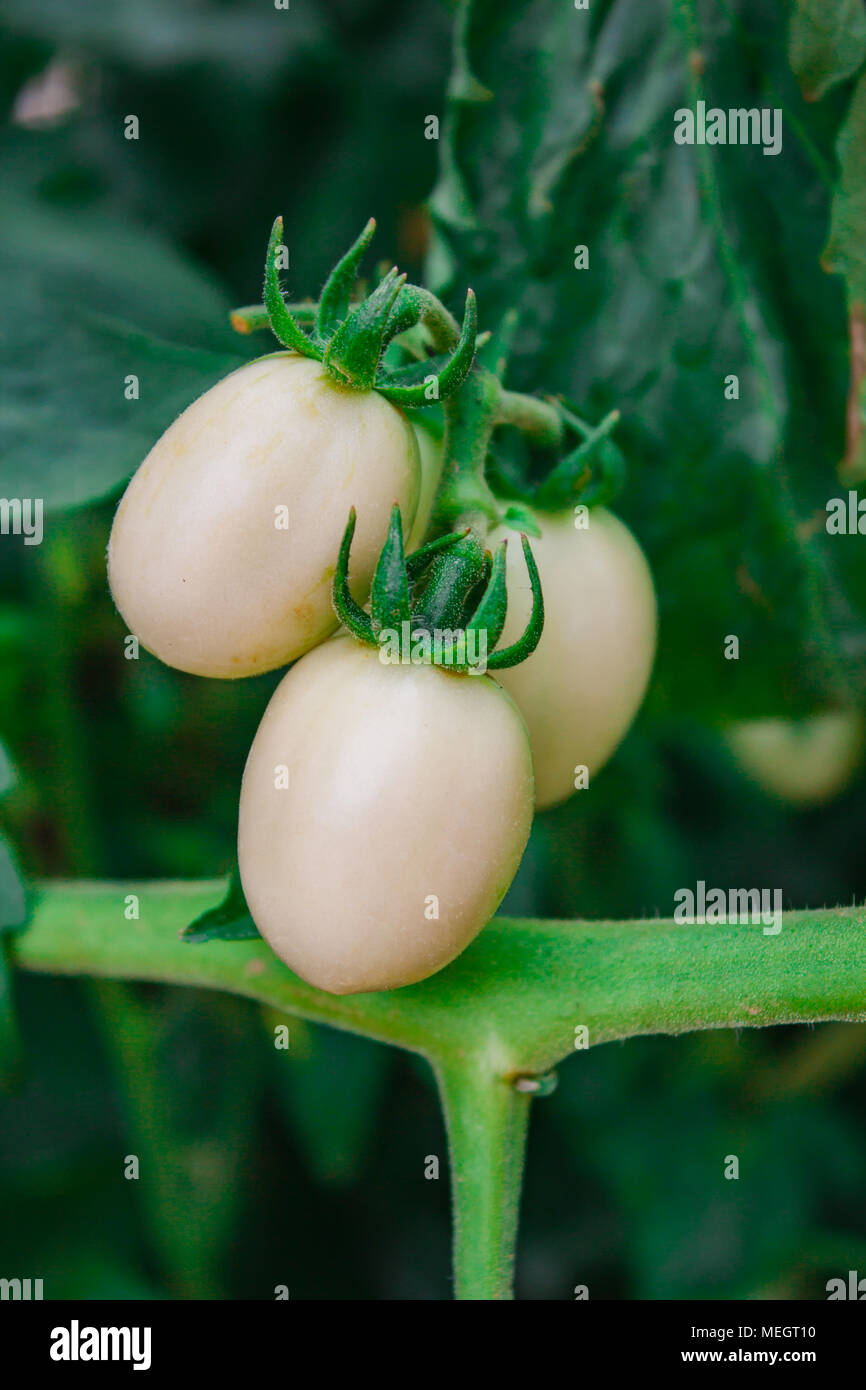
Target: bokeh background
[306, 1168]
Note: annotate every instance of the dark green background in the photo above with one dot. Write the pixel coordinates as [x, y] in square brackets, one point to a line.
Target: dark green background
[306, 1169]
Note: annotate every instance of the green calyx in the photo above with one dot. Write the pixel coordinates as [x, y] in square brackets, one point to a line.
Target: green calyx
[350, 339]
[444, 605]
[591, 473]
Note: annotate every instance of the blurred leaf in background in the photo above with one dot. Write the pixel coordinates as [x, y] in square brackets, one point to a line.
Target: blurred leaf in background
[703, 265]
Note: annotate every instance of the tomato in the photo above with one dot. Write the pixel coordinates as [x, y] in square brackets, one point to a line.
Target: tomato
[803, 761]
[431, 452]
[223, 547]
[383, 814]
[581, 688]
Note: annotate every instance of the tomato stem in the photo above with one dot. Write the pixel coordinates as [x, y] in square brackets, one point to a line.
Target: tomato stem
[465, 497]
[539, 419]
[537, 979]
[253, 318]
[486, 1119]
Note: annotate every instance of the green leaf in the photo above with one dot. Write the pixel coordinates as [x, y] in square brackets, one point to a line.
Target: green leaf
[10, 1040]
[90, 302]
[845, 253]
[7, 772]
[331, 1096]
[703, 267]
[13, 898]
[13, 913]
[230, 921]
[193, 1139]
[826, 43]
[159, 35]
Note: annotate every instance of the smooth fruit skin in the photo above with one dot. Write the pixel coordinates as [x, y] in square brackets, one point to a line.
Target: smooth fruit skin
[432, 454]
[199, 563]
[581, 688]
[404, 782]
[804, 762]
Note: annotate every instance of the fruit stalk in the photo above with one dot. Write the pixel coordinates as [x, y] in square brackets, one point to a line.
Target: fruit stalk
[536, 418]
[464, 497]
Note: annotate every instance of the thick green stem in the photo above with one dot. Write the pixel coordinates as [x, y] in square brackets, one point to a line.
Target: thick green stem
[486, 1120]
[550, 988]
[539, 419]
[464, 497]
[538, 979]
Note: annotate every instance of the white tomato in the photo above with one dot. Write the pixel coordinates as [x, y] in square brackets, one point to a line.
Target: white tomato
[383, 814]
[431, 453]
[581, 688]
[223, 547]
[804, 762]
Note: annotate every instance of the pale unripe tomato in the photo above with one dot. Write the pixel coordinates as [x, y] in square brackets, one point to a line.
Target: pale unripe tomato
[581, 688]
[432, 453]
[805, 761]
[383, 814]
[223, 548]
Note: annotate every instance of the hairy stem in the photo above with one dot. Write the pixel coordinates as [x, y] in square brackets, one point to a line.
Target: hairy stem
[617, 979]
[252, 318]
[539, 419]
[464, 497]
[522, 997]
[486, 1121]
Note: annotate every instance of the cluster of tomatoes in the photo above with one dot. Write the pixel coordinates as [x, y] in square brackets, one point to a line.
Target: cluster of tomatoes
[385, 806]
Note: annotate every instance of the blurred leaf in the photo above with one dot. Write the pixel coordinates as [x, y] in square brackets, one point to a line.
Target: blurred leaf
[10, 1041]
[13, 913]
[826, 43]
[89, 302]
[703, 267]
[230, 921]
[13, 899]
[192, 1138]
[331, 1100]
[846, 249]
[689, 1229]
[7, 772]
[171, 33]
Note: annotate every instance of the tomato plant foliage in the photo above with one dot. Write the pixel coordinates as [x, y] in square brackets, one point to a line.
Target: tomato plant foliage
[703, 264]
